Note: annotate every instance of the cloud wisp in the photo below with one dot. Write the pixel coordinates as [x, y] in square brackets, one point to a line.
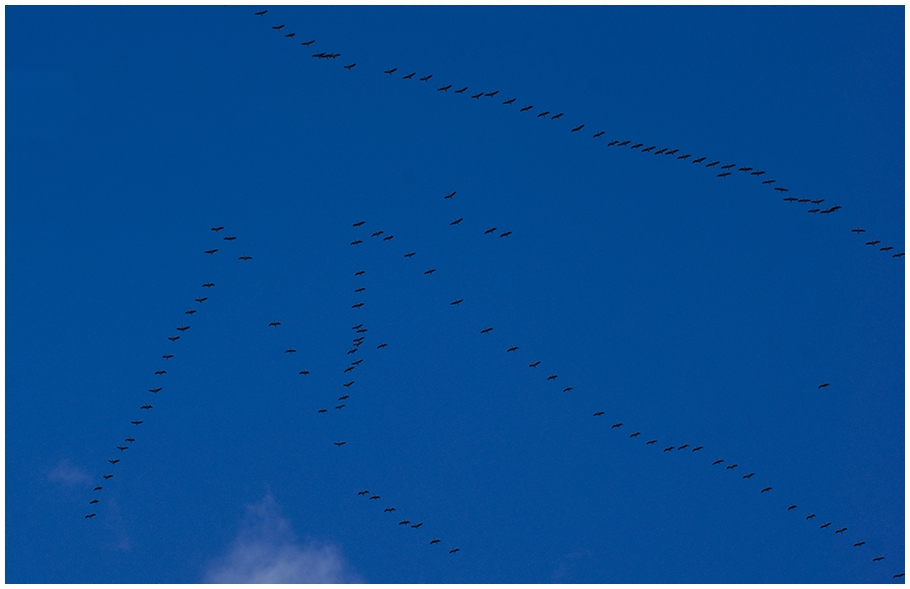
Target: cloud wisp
[68, 475]
[266, 551]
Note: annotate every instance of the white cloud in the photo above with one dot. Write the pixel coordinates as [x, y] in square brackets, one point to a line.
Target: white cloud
[266, 551]
[68, 475]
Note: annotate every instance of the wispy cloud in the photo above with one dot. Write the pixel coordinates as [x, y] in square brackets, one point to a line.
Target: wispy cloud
[68, 475]
[266, 551]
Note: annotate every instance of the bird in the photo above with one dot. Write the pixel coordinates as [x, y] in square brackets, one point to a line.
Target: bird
[898, 576]
[444, 88]
[526, 108]
[98, 488]
[898, 255]
[278, 28]
[634, 434]
[769, 181]
[543, 114]
[727, 166]
[885, 249]
[404, 522]
[490, 230]
[391, 71]
[350, 66]
[435, 541]
[352, 351]
[344, 397]
[157, 372]
[291, 35]
[478, 95]
[357, 362]
[308, 43]
[426, 78]
[699, 160]
[668, 448]
[840, 531]
[260, 13]
[211, 251]
[859, 544]
[374, 497]
[683, 446]
[556, 116]
[598, 413]
[388, 238]
[823, 385]
[813, 210]
[304, 372]
[649, 442]
[782, 189]
[202, 299]
[758, 173]
[716, 462]
[615, 425]
[509, 101]
[146, 407]
[552, 377]
[636, 146]
[339, 406]
[724, 175]
[878, 558]
[209, 284]
[417, 525]
[93, 501]
[874, 242]
[380, 346]
[858, 230]
[457, 221]
[362, 492]
[461, 90]
[155, 390]
[91, 515]
[174, 338]
[290, 351]
[245, 258]
[323, 411]
[660, 151]
[349, 368]
[648, 149]
[114, 460]
[130, 440]
[348, 384]
[578, 128]
[626, 142]
[356, 305]
[712, 164]
[454, 550]
[749, 476]
[824, 525]
[732, 466]
[512, 349]
[458, 302]
[135, 422]
[340, 444]
[567, 389]
[817, 202]
[216, 229]
[274, 323]
[184, 328]
[168, 356]
[122, 448]
[107, 476]
[790, 199]
[357, 242]
[697, 448]
[360, 273]
[672, 151]
[410, 254]
[486, 330]
[388, 510]
[598, 134]
[810, 516]
[744, 169]
[492, 94]
[534, 364]
[322, 55]
[791, 507]
[409, 76]
[506, 234]
[430, 271]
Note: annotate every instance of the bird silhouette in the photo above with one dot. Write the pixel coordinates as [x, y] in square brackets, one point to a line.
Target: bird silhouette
[461, 90]
[556, 116]
[534, 364]
[512, 349]
[486, 330]
[824, 525]
[791, 507]
[649, 442]
[444, 88]
[155, 390]
[697, 448]
[749, 476]
[174, 338]
[260, 13]
[340, 444]
[350, 66]
[435, 541]
[409, 76]
[552, 377]
[454, 550]
[578, 128]
[824, 385]
[668, 448]
[598, 413]
[168, 356]
[157, 372]
[426, 78]
[457, 302]
[716, 462]
[388, 510]
[211, 251]
[509, 101]
[526, 108]
[615, 425]
[633, 434]
[391, 71]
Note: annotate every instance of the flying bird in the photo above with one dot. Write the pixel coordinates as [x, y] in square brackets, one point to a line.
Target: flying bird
[93, 501]
[130, 440]
[323, 411]
[404, 522]
[350, 66]
[426, 78]
[506, 234]
[201, 300]
[290, 351]
[304, 372]
[512, 349]
[308, 43]
[260, 13]
[556, 116]
[435, 541]
[578, 128]
[357, 242]
[278, 28]
[878, 558]
[391, 71]
[430, 271]
[526, 108]
[211, 251]
[245, 258]
[451, 194]
[209, 284]
[683, 446]
[146, 407]
[567, 389]
[107, 476]
[160, 372]
[388, 510]
[444, 88]
[712, 164]
[461, 90]
[697, 448]
[356, 305]
[699, 160]
[91, 515]
[727, 166]
[823, 385]
[634, 434]
[380, 346]
[598, 134]
[885, 249]
[135, 422]
[417, 525]
[649, 442]
[478, 95]
[636, 146]
[360, 273]
[732, 466]
[759, 173]
[217, 228]
[509, 101]
[486, 330]
[454, 550]
[858, 230]
[374, 497]
[874, 242]
[457, 221]
[534, 364]
[340, 444]
[184, 328]
[456, 302]
[339, 406]
[724, 175]
[122, 448]
[716, 462]
[168, 356]
[648, 149]
[615, 425]
[668, 448]
[114, 460]
[174, 338]
[552, 377]
[291, 35]
[344, 397]
[409, 76]
[492, 94]
[810, 516]
[274, 323]
[825, 525]
[769, 181]
[98, 488]
[490, 230]
[348, 384]
[791, 507]
[749, 476]
[598, 413]
[840, 531]
[388, 238]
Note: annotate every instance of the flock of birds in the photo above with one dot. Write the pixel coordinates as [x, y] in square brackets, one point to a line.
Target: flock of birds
[380, 236]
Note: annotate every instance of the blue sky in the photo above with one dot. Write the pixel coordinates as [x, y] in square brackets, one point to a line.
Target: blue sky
[692, 308]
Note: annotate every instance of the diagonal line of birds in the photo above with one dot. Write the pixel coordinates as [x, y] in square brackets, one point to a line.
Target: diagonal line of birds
[380, 237]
